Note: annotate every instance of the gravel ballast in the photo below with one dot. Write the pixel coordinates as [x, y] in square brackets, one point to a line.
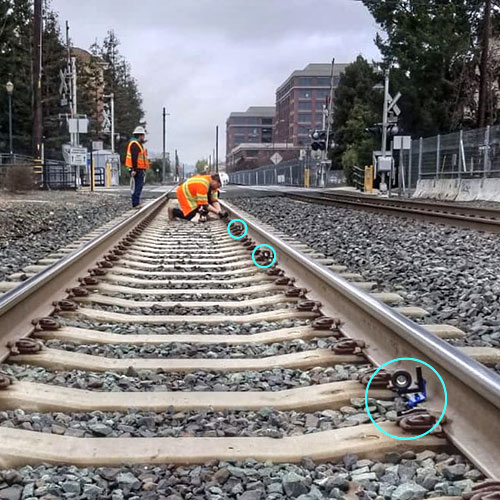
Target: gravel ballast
[37, 224]
[406, 476]
[453, 273]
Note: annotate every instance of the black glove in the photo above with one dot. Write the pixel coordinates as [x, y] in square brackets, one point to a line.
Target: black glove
[203, 210]
[223, 214]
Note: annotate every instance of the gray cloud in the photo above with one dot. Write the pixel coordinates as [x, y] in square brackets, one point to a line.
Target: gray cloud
[203, 59]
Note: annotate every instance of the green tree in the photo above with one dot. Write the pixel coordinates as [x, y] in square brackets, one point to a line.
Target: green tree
[201, 166]
[357, 107]
[430, 47]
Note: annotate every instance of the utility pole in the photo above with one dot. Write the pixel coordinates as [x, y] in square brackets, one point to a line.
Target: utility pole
[164, 161]
[483, 88]
[217, 148]
[37, 81]
[328, 115]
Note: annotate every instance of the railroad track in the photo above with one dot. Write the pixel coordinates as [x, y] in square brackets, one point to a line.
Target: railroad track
[166, 317]
[482, 219]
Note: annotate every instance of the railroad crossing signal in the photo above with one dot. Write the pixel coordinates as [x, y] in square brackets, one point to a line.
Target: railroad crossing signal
[318, 140]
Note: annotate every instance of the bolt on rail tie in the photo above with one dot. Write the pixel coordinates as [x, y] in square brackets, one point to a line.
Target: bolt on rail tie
[88, 281]
[284, 281]
[65, 306]
[326, 323]
[294, 292]
[418, 421]
[46, 323]
[25, 346]
[309, 306]
[349, 346]
[381, 380]
[78, 291]
[5, 381]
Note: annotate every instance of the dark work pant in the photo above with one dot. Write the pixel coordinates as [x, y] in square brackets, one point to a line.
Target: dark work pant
[179, 215]
[139, 184]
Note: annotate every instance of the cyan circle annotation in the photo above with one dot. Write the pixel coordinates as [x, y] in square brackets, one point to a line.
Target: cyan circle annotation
[424, 433]
[237, 237]
[270, 248]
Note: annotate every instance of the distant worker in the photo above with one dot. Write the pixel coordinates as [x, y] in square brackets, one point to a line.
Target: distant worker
[198, 195]
[137, 161]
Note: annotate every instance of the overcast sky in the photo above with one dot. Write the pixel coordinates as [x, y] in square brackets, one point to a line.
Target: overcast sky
[203, 59]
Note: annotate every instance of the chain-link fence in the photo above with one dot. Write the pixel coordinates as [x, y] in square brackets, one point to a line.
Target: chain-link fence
[467, 154]
[288, 173]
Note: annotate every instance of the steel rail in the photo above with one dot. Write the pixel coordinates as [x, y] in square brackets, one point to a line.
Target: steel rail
[34, 297]
[473, 390]
[468, 217]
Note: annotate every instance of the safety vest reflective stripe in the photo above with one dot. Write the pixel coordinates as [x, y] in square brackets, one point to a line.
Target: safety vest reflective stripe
[142, 158]
[193, 193]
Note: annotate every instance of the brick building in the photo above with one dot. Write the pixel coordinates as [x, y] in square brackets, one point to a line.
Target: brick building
[255, 125]
[300, 100]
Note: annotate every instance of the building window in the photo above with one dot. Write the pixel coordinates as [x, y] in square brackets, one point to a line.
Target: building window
[322, 93]
[305, 105]
[304, 81]
[304, 94]
[319, 104]
[305, 118]
[323, 81]
[301, 130]
[267, 121]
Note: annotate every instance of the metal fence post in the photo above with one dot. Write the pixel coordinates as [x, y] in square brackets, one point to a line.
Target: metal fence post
[460, 160]
[486, 166]
[291, 176]
[420, 154]
[438, 154]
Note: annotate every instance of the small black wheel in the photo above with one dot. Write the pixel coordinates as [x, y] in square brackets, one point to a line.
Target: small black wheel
[401, 379]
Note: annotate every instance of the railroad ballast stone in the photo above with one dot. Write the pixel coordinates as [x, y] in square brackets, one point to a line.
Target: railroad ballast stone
[451, 272]
[269, 380]
[36, 224]
[186, 350]
[245, 480]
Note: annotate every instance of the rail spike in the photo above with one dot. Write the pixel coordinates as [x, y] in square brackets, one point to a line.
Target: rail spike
[349, 346]
[5, 381]
[380, 381]
[417, 421]
[47, 323]
[25, 346]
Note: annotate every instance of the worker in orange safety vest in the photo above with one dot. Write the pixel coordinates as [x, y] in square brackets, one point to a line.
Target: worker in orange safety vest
[137, 161]
[198, 195]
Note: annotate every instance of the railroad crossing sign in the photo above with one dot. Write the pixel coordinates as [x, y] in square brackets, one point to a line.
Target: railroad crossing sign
[63, 87]
[392, 104]
[106, 120]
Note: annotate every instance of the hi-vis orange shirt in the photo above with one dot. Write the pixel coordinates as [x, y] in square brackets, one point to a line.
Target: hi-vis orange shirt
[195, 192]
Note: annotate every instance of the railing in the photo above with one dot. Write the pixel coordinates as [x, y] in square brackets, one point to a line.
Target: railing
[287, 173]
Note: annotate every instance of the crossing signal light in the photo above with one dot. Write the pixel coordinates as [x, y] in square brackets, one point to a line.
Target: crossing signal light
[318, 140]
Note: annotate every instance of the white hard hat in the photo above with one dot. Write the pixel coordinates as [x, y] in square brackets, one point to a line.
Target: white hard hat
[139, 130]
[224, 178]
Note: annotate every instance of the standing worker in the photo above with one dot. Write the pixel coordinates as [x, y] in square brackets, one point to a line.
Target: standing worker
[137, 161]
[198, 195]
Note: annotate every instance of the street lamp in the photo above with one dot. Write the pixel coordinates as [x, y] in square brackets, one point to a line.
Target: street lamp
[10, 89]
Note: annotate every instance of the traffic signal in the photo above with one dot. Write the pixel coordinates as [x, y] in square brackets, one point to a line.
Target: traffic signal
[318, 140]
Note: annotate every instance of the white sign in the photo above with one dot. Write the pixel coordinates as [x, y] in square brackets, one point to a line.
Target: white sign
[78, 125]
[276, 158]
[302, 154]
[78, 157]
[402, 142]
[97, 145]
[281, 179]
[384, 164]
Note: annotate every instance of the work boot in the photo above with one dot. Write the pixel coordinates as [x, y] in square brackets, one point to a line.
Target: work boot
[139, 206]
[171, 213]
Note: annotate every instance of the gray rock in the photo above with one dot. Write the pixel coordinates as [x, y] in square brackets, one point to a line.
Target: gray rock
[11, 493]
[294, 485]
[251, 495]
[454, 472]
[409, 491]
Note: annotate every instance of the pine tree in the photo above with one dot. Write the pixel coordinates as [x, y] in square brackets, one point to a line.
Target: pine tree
[430, 46]
[357, 107]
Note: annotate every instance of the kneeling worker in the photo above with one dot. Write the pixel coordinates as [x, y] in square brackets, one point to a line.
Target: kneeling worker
[199, 194]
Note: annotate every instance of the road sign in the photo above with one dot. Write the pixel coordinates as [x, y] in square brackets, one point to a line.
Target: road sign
[402, 142]
[78, 125]
[97, 145]
[276, 158]
[78, 157]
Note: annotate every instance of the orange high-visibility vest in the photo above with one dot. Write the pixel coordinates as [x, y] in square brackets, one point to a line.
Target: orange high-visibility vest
[142, 158]
[195, 192]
